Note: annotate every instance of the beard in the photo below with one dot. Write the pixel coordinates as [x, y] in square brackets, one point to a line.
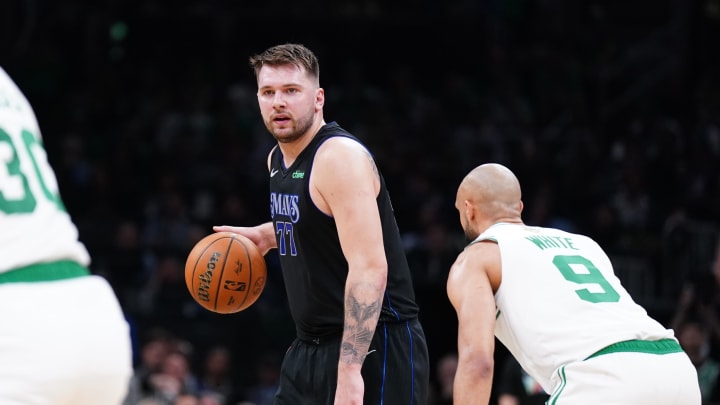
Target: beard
[299, 127]
[470, 233]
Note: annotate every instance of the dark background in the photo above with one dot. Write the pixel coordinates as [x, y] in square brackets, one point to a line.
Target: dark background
[608, 112]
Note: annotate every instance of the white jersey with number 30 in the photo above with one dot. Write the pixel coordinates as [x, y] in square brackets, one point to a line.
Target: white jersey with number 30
[559, 300]
[31, 212]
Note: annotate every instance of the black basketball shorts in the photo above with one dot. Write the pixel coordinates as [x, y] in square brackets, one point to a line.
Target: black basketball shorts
[396, 370]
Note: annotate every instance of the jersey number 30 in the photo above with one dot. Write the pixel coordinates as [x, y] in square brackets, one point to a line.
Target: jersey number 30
[591, 275]
[16, 196]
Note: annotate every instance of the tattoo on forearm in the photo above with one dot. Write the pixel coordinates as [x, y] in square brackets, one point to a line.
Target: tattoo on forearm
[360, 322]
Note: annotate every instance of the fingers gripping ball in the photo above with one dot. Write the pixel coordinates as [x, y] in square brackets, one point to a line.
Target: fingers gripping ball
[225, 272]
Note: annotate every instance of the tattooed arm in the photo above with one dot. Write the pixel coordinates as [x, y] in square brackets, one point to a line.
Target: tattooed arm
[351, 198]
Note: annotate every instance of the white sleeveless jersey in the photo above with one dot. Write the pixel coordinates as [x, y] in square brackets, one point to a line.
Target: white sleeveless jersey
[559, 300]
[34, 225]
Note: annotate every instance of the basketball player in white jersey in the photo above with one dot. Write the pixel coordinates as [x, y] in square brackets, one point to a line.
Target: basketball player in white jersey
[552, 299]
[63, 337]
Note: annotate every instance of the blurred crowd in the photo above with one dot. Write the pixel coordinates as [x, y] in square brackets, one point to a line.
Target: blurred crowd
[608, 113]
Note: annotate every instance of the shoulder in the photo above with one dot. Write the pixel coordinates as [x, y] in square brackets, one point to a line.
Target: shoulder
[478, 256]
[339, 150]
[477, 268]
[482, 250]
[343, 163]
[341, 143]
[270, 155]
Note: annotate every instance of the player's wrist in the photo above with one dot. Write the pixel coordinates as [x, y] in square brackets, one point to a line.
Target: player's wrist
[346, 367]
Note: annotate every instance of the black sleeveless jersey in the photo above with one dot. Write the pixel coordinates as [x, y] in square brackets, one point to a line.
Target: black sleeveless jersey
[313, 265]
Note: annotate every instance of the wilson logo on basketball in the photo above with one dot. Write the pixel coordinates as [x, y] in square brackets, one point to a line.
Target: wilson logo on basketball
[206, 277]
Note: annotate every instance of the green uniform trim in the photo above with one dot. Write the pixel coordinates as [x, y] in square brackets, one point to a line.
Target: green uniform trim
[52, 271]
[663, 346]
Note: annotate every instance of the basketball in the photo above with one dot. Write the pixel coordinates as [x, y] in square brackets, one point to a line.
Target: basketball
[225, 272]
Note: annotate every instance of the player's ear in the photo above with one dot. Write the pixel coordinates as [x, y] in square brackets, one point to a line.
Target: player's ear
[319, 98]
[469, 210]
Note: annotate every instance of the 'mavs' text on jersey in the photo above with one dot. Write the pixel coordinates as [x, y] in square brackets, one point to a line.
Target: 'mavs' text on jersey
[285, 205]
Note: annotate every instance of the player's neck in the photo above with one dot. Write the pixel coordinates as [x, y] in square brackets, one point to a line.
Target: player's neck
[291, 150]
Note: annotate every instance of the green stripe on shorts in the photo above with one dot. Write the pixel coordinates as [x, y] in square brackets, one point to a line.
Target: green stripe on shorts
[52, 271]
[663, 346]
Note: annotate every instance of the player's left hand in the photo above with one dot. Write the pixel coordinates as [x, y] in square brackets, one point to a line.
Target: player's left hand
[350, 385]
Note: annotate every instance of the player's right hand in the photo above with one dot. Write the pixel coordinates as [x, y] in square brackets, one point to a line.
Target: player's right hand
[262, 235]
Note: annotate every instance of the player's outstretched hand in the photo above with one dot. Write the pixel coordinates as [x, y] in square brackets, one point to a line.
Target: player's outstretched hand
[262, 235]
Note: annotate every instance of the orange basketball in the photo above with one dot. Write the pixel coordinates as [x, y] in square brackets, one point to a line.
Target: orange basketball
[225, 272]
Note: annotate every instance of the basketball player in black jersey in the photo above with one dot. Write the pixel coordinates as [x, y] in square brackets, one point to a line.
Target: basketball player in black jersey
[351, 296]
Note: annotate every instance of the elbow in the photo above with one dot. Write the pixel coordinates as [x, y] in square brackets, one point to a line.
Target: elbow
[371, 278]
[479, 368]
[473, 379]
[483, 370]
[380, 280]
[378, 275]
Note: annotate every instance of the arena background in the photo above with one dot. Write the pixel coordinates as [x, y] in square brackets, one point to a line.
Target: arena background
[608, 111]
